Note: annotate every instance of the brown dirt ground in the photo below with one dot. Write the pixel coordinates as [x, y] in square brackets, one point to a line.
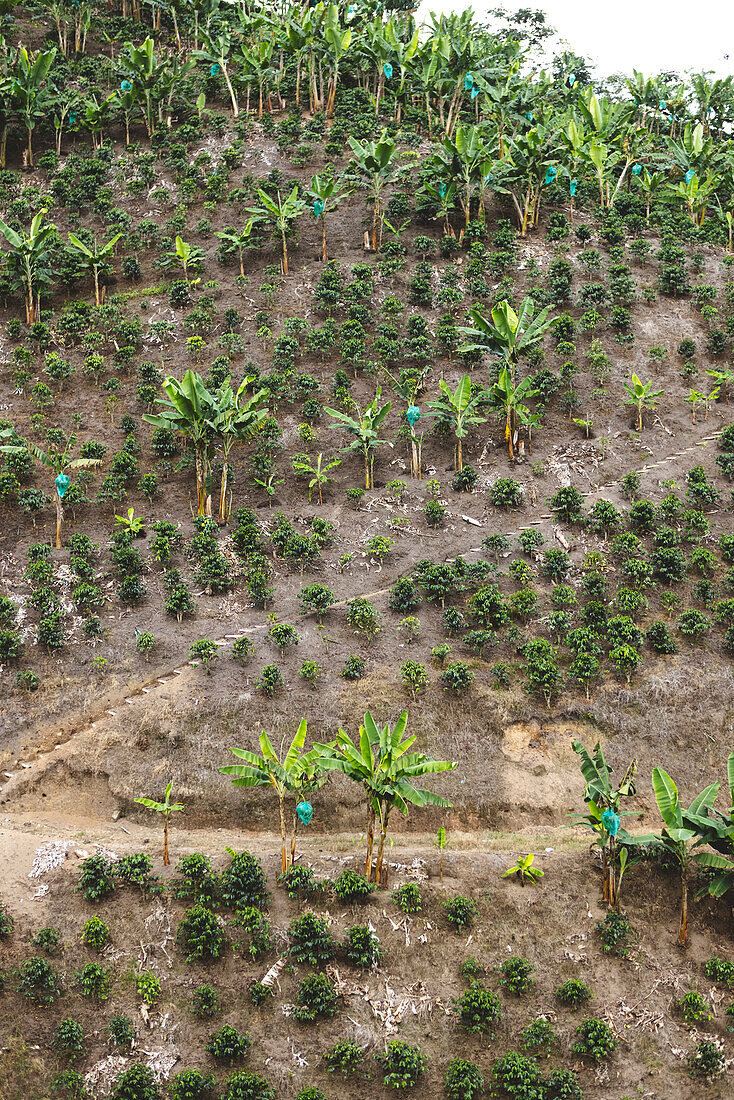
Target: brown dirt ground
[552, 925]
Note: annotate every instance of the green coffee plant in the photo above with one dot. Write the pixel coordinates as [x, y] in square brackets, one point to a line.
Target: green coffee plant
[478, 1009]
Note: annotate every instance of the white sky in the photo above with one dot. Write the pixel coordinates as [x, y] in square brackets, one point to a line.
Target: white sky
[649, 35]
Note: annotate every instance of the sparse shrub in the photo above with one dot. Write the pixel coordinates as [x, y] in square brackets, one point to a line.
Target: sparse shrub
[205, 1002]
[351, 887]
[96, 934]
[46, 938]
[595, 1040]
[402, 1064]
[122, 1032]
[298, 881]
[38, 981]
[148, 987]
[243, 881]
[457, 677]
[199, 935]
[362, 947]
[190, 1084]
[93, 981]
[248, 1086]
[562, 1084]
[228, 1044]
[518, 1075]
[615, 933]
[311, 940]
[316, 999]
[137, 1082]
[516, 973]
[353, 668]
[68, 1039]
[538, 1035]
[95, 880]
[464, 1080]
[408, 897]
[573, 992]
[720, 970]
[693, 1007]
[708, 1059]
[345, 1057]
[270, 680]
[478, 1009]
[6, 923]
[460, 912]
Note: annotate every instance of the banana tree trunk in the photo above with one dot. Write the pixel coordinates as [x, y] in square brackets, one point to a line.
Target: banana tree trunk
[283, 857]
[294, 834]
[381, 849]
[59, 519]
[370, 843]
[223, 494]
[166, 860]
[285, 253]
[230, 89]
[200, 484]
[324, 255]
[683, 930]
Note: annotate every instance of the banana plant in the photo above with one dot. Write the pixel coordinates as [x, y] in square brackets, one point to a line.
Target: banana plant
[696, 398]
[723, 379]
[235, 418]
[522, 174]
[189, 408]
[377, 163]
[404, 49]
[445, 197]
[282, 214]
[255, 60]
[234, 241]
[216, 51]
[187, 255]
[523, 869]
[317, 471]
[604, 815]
[364, 427]
[506, 333]
[651, 184]
[510, 400]
[695, 193]
[285, 774]
[694, 152]
[717, 830]
[29, 89]
[466, 158]
[94, 259]
[681, 837]
[29, 261]
[338, 40]
[58, 460]
[641, 396]
[380, 762]
[460, 410]
[165, 808]
[142, 68]
[326, 194]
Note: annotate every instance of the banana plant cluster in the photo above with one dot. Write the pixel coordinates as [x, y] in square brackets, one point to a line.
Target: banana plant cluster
[209, 420]
[378, 760]
[504, 125]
